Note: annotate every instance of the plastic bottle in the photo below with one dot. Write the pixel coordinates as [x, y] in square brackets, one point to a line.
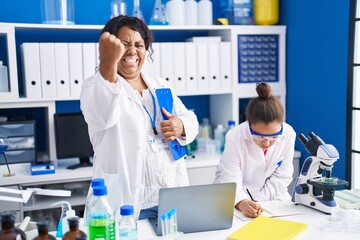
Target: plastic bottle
[8, 230]
[74, 231]
[219, 137]
[43, 229]
[241, 12]
[66, 213]
[127, 223]
[4, 80]
[100, 216]
[231, 125]
[191, 9]
[118, 7]
[176, 12]
[266, 12]
[205, 14]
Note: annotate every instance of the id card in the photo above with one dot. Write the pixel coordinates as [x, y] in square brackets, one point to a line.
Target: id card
[158, 143]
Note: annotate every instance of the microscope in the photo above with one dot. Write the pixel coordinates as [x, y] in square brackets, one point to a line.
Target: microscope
[312, 188]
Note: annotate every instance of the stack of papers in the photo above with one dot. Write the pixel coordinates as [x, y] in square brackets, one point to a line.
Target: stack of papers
[273, 209]
[265, 228]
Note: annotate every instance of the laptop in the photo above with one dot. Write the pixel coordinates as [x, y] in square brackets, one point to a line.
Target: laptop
[199, 208]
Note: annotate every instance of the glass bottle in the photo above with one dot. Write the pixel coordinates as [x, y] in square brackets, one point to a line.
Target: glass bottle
[158, 16]
[100, 217]
[118, 7]
[74, 231]
[231, 125]
[127, 224]
[43, 229]
[137, 10]
[8, 230]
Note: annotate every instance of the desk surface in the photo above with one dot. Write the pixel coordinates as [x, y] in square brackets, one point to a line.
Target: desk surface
[318, 228]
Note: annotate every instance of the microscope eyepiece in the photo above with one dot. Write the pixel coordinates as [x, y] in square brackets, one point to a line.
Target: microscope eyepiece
[303, 139]
[316, 139]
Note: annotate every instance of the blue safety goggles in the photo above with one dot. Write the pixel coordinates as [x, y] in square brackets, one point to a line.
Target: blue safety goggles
[261, 136]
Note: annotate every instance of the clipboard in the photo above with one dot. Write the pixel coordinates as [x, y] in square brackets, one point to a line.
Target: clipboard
[165, 100]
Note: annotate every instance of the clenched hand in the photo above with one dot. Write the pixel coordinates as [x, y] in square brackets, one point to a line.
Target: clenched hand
[173, 127]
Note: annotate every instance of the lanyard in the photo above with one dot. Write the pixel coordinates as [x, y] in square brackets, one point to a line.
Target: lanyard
[152, 119]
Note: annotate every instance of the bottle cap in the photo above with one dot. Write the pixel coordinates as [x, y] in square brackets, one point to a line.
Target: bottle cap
[73, 220]
[42, 225]
[97, 182]
[99, 190]
[126, 210]
[231, 122]
[70, 213]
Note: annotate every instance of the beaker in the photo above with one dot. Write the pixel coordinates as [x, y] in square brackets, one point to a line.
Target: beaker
[57, 11]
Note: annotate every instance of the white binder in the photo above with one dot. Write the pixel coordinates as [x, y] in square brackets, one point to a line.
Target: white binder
[167, 66]
[62, 77]
[191, 67]
[97, 54]
[75, 68]
[214, 65]
[31, 70]
[202, 66]
[47, 70]
[179, 67]
[89, 59]
[225, 66]
[152, 65]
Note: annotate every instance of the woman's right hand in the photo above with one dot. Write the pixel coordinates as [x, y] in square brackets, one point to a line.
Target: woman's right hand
[110, 50]
[249, 208]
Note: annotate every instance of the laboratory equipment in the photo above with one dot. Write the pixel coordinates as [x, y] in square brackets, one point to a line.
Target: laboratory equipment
[159, 16]
[240, 12]
[8, 229]
[175, 10]
[43, 230]
[4, 80]
[137, 10]
[312, 189]
[4, 144]
[74, 231]
[205, 12]
[100, 217]
[118, 7]
[127, 223]
[66, 213]
[58, 11]
[266, 12]
[191, 9]
[169, 227]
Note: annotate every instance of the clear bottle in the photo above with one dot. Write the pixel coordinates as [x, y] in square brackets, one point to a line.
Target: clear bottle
[74, 231]
[4, 80]
[205, 129]
[127, 223]
[205, 12]
[95, 182]
[100, 216]
[158, 16]
[118, 7]
[43, 229]
[137, 10]
[191, 9]
[231, 125]
[219, 137]
[176, 12]
[8, 229]
[241, 12]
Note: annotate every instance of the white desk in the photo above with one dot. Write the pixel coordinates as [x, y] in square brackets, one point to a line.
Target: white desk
[316, 221]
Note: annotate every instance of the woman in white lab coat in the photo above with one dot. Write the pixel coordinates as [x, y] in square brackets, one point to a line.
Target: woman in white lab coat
[258, 154]
[129, 136]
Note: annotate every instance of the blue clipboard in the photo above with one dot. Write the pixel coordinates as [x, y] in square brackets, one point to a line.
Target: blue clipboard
[165, 100]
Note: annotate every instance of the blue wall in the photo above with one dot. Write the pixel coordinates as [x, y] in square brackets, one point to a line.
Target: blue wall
[316, 70]
[316, 64]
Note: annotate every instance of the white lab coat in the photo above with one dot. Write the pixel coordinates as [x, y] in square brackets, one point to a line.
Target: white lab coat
[244, 162]
[117, 128]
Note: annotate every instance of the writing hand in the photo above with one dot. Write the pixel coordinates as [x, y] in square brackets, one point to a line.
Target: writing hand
[110, 50]
[173, 127]
[249, 208]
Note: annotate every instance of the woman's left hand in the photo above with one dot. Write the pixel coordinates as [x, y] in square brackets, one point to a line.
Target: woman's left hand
[173, 127]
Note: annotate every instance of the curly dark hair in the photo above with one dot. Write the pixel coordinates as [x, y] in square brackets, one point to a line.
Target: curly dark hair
[265, 108]
[114, 24]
